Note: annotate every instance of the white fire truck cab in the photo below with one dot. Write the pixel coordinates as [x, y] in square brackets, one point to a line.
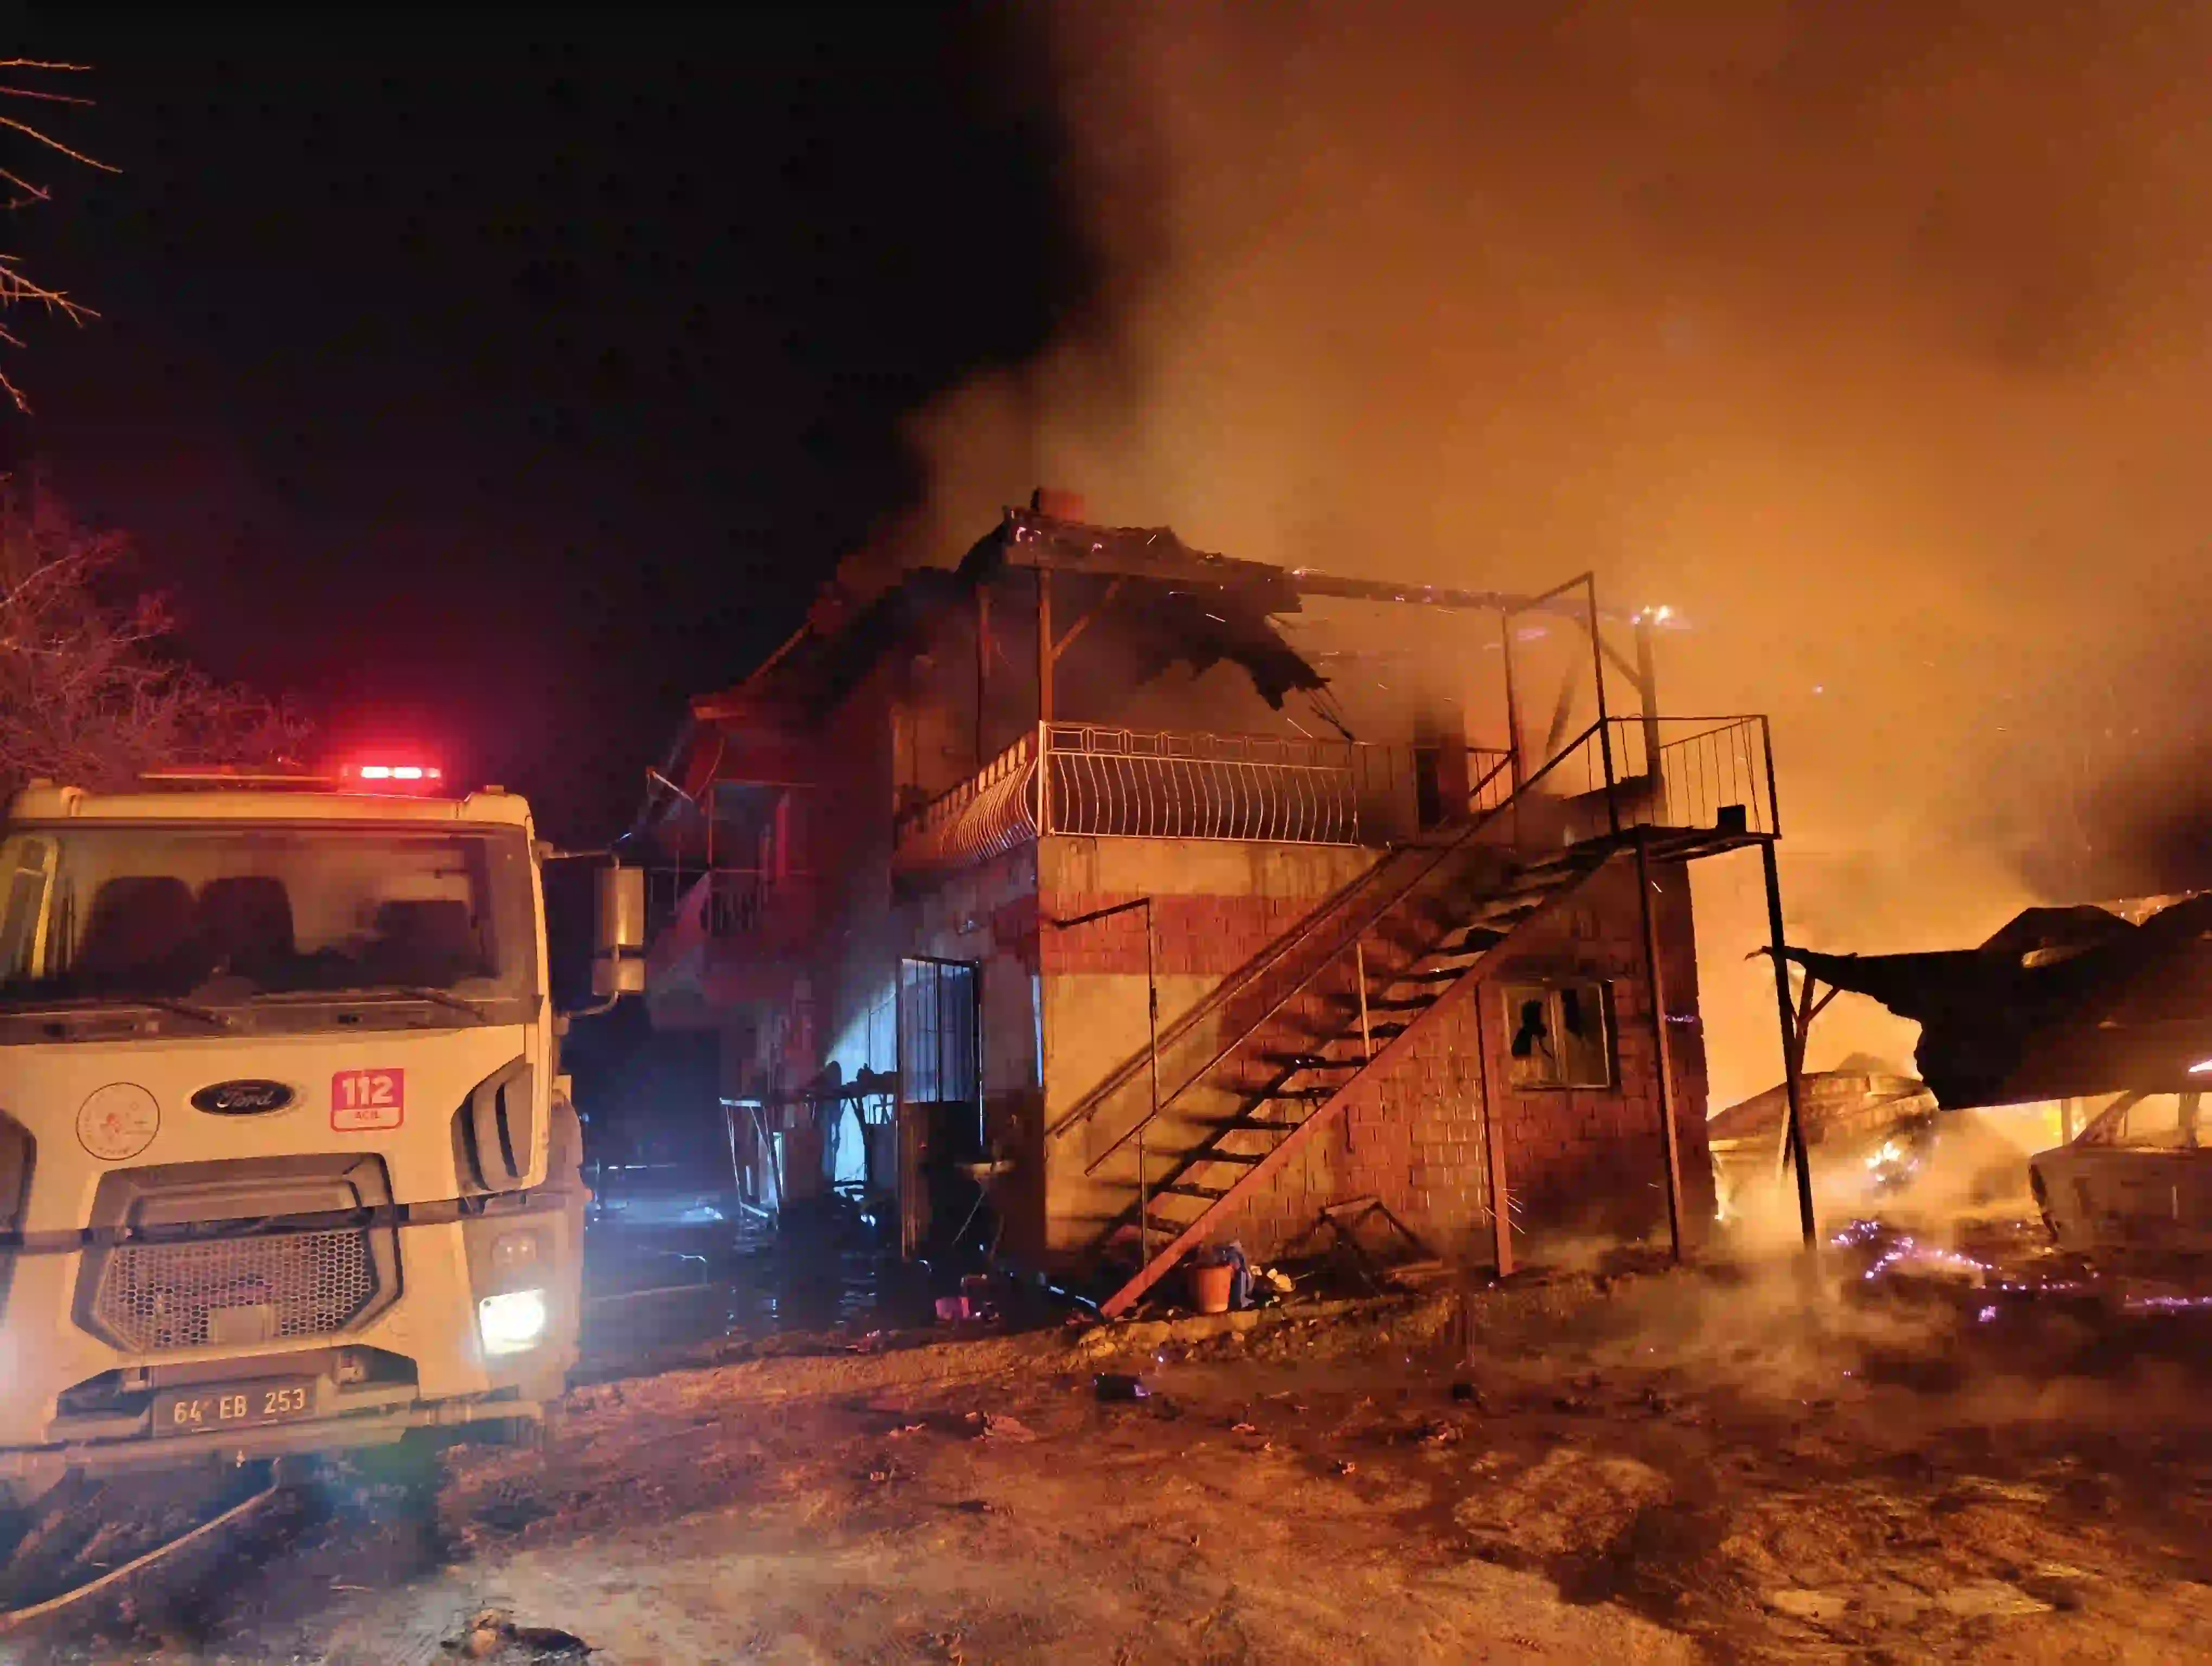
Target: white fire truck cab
[287, 1160]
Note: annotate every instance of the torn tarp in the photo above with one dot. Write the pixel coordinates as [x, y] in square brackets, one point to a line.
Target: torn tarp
[2061, 1003]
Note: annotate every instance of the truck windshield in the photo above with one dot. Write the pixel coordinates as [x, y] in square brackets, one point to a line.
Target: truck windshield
[224, 912]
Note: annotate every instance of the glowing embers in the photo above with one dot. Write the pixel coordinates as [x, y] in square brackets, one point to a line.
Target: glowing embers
[1896, 1252]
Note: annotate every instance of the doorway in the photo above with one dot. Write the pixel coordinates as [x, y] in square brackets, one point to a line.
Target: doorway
[940, 1094]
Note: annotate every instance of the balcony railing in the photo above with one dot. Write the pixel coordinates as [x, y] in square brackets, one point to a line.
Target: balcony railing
[1092, 781]
[1133, 783]
[1674, 772]
[726, 905]
[990, 813]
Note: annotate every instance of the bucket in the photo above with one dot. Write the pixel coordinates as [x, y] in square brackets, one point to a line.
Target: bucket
[1210, 1286]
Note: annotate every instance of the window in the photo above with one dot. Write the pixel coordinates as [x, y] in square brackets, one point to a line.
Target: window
[1558, 1035]
[938, 1036]
[2148, 1122]
[231, 911]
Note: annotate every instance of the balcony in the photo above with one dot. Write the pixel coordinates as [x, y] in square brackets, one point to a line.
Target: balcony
[1088, 780]
[725, 936]
[1683, 773]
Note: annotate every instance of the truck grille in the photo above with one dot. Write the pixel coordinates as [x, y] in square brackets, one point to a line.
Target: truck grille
[156, 1298]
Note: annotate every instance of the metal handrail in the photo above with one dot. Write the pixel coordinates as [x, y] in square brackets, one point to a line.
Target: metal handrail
[1089, 1105]
[1711, 763]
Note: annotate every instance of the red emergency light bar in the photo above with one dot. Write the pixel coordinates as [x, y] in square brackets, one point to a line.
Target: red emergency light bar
[391, 778]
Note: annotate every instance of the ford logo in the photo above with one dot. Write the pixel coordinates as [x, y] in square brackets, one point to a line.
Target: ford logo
[242, 1098]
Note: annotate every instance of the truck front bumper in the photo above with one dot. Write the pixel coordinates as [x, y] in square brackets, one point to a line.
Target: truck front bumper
[431, 1324]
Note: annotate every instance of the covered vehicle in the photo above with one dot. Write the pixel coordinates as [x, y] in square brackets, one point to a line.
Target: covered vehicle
[2061, 1003]
[2138, 1177]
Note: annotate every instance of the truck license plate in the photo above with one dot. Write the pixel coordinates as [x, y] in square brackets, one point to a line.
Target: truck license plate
[231, 1405]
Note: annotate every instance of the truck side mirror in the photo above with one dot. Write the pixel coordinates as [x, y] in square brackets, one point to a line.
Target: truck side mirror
[618, 933]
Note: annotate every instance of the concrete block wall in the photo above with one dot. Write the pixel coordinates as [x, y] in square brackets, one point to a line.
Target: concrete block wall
[1216, 906]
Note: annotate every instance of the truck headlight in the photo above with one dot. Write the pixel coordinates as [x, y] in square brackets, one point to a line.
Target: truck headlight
[513, 1323]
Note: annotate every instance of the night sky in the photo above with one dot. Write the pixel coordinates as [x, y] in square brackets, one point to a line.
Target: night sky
[495, 387]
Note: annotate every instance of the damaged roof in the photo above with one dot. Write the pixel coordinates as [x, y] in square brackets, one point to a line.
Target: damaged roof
[1158, 601]
[2060, 1003]
[1166, 602]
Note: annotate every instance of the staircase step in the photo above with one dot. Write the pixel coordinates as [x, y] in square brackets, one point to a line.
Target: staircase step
[1441, 975]
[1386, 1032]
[1311, 1062]
[1316, 1094]
[1262, 1122]
[1489, 914]
[1409, 1004]
[1184, 1188]
[1230, 1157]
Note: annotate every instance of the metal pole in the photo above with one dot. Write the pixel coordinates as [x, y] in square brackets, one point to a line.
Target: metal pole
[982, 667]
[1501, 1206]
[1604, 726]
[1044, 779]
[1359, 972]
[1801, 1030]
[1773, 798]
[1791, 1084]
[1152, 1019]
[1044, 646]
[1512, 700]
[1646, 687]
[1655, 989]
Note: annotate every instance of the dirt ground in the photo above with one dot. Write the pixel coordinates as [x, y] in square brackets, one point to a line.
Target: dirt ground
[1659, 1468]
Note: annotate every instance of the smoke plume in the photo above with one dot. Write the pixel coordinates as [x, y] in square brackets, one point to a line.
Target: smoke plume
[1871, 339]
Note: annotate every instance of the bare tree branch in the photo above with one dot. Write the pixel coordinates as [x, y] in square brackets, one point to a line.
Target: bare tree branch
[17, 288]
[87, 693]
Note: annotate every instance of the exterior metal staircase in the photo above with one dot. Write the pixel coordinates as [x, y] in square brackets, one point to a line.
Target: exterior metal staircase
[1338, 1000]
[1310, 1080]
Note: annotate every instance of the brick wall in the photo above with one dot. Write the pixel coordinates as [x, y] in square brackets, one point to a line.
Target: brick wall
[1584, 1162]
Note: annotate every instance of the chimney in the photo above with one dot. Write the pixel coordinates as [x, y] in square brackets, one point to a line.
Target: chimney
[1057, 504]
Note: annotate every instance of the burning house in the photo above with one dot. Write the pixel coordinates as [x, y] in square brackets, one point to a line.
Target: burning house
[1095, 889]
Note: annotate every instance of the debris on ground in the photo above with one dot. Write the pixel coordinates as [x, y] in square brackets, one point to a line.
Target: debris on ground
[493, 1635]
[1760, 1476]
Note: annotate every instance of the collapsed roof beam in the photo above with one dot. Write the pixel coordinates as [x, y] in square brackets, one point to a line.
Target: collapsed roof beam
[1113, 558]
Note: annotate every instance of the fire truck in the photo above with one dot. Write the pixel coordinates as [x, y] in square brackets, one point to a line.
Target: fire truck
[288, 1161]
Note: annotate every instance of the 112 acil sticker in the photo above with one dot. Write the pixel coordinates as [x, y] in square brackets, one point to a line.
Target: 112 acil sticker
[367, 1101]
